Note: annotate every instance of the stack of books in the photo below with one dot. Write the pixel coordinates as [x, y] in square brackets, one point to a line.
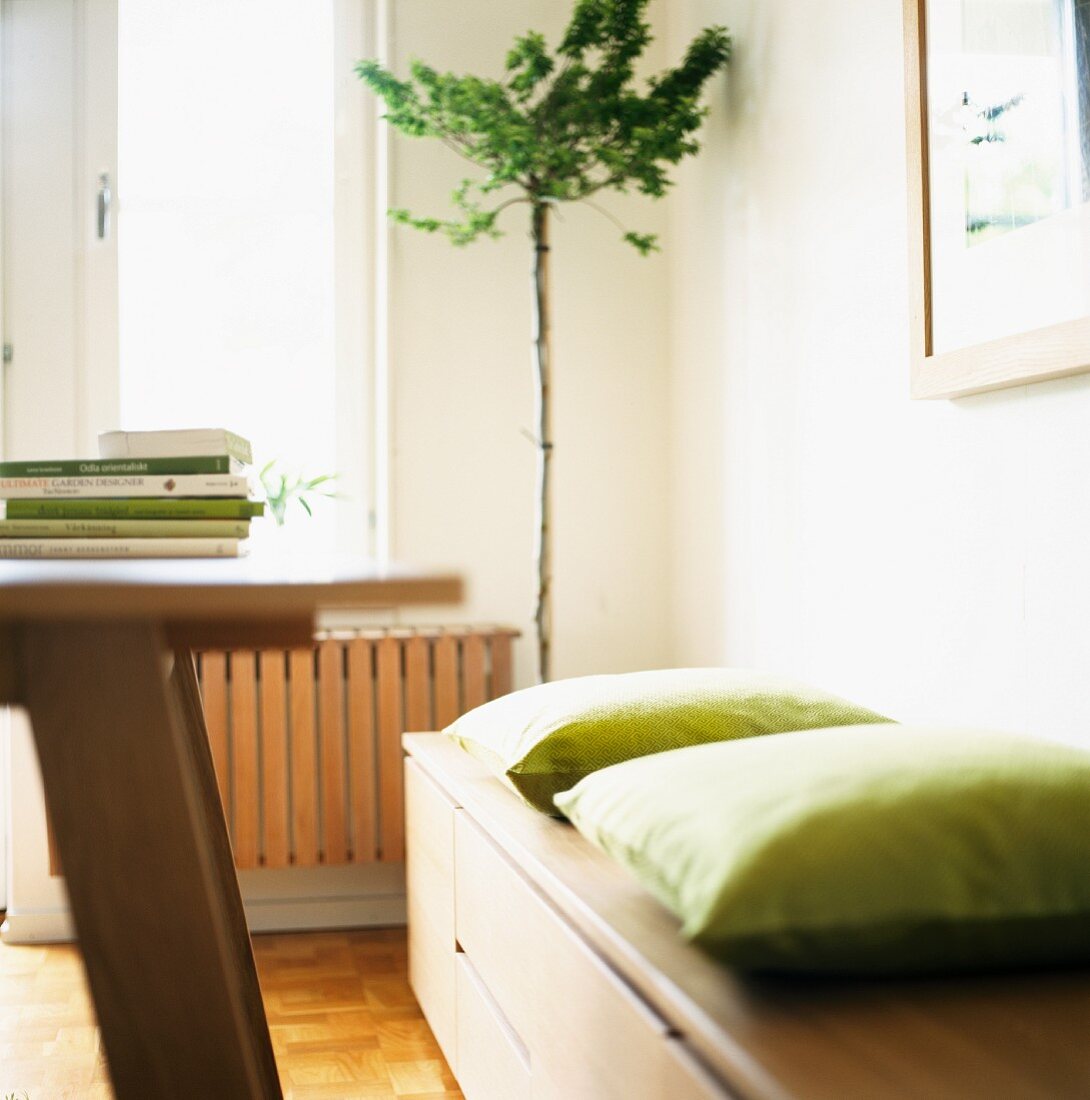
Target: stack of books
[149, 495]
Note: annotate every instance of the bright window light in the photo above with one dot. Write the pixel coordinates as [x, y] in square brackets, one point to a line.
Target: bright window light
[226, 226]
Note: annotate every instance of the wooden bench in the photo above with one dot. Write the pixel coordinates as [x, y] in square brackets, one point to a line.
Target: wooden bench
[545, 970]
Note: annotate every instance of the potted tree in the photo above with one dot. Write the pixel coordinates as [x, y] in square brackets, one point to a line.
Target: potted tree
[561, 126]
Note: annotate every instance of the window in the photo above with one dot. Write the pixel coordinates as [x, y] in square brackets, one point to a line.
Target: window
[243, 243]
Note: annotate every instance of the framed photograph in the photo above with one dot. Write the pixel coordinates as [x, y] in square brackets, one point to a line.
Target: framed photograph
[998, 110]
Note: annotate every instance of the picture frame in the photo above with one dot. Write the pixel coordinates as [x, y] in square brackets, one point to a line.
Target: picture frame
[1037, 353]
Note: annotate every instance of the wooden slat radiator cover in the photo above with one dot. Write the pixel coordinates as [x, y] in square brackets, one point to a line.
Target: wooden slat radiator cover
[307, 742]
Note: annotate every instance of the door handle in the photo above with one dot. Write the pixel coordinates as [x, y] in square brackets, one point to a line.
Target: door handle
[105, 200]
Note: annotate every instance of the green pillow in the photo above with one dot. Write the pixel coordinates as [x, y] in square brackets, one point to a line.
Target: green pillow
[546, 738]
[870, 849]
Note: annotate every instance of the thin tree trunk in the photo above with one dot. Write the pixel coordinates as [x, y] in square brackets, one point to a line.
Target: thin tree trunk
[542, 349]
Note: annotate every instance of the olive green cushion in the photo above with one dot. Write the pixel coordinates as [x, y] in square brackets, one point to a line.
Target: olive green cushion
[870, 849]
[546, 738]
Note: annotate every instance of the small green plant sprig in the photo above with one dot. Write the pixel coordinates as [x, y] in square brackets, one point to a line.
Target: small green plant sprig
[281, 489]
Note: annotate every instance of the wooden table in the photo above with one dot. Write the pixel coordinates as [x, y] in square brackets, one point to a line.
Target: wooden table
[98, 652]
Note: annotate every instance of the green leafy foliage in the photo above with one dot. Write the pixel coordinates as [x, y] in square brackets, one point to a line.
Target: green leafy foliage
[560, 126]
[281, 489]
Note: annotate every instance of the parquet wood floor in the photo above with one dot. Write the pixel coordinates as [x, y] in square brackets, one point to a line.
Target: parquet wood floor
[344, 1022]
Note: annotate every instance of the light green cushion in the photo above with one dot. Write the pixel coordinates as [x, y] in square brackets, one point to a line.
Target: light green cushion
[870, 849]
[546, 738]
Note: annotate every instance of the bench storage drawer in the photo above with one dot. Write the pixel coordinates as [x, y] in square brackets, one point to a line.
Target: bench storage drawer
[587, 1032]
[493, 1062]
[429, 876]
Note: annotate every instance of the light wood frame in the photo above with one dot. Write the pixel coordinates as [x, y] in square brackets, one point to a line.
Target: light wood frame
[1054, 351]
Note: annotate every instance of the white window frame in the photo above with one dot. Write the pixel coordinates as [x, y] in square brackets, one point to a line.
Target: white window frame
[360, 280]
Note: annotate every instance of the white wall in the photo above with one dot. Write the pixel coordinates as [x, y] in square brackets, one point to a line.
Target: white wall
[929, 559]
[462, 474]
[60, 315]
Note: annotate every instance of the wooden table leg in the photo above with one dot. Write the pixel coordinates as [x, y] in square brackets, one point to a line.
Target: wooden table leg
[131, 793]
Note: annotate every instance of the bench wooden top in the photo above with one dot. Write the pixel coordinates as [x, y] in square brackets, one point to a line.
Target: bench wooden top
[1006, 1035]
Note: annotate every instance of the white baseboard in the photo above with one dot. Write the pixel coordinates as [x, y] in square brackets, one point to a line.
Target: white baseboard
[42, 926]
[317, 913]
[291, 899]
[289, 915]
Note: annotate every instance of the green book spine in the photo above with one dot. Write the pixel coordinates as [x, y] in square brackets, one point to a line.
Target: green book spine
[121, 548]
[146, 508]
[124, 528]
[113, 467]
[157, 485]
